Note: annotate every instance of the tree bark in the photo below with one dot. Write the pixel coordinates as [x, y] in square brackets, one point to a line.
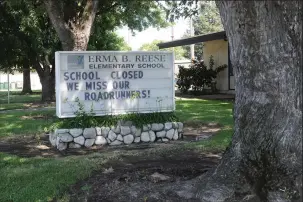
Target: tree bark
[265, 155]
[26, 79]
[74, 31]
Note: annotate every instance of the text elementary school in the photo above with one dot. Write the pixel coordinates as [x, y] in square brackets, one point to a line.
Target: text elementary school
[113, 82]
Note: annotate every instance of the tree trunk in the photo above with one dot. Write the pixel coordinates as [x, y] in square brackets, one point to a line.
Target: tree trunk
[26, 79]
[46, 75]
[74, 33]
[265, 155]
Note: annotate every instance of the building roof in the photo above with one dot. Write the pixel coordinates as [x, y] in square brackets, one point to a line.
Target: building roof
[193, 40]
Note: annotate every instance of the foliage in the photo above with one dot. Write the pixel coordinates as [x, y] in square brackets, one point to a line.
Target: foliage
[178, 51]
[198, 76]
[206, 21]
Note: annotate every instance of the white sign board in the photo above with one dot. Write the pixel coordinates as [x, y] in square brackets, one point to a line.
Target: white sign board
[114, 82]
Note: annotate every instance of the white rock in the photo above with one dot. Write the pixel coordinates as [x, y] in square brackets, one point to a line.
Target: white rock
[133, 130]
[52, 138]
[65, 137]
[75, 132]
[180, 127]
[105, 131]
[116, 142]
[100, 140]
[137, 140]
[58, 131]
[98, 131]
[165, 140]
[125, 130]
[159, 140]
[111, 135]
[89, 142]
[128, 139]
[175, 137]
[73, 145]
[152, 136]
[170, 134]
[62, 146]
[79, 140]
[157, 126]
[180, 135]
[156, 177]
[108, 140]
[175, 125]
[120, 138]
[145, 128]
[145, 137]
[116, 129]
[138, 132]
[168, 125]
[89, 133]
[161, 133]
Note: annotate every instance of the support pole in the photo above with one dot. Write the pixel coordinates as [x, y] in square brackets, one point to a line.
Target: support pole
[8, 88]
[192, 46]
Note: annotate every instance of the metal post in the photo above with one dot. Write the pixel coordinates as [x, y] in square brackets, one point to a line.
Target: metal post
[8, 88]
[192, 46]
[172, 34]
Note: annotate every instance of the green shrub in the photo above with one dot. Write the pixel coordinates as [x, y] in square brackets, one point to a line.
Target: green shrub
[198, 76]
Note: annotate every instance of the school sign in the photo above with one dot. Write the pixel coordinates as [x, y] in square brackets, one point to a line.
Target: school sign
[114, 82]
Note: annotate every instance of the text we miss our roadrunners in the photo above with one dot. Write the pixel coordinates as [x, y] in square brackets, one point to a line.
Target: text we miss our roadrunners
[119, 85]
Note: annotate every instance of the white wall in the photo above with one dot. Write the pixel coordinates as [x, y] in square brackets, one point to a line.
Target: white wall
[16, 81]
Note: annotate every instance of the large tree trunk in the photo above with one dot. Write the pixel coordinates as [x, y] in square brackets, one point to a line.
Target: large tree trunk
[73, 30]
[46, 74]
[26, 79]
[265, 155]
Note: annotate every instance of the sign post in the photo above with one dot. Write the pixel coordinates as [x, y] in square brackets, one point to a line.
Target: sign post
[114, 82]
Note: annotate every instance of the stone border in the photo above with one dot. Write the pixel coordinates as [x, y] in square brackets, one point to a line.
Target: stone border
[123, 133]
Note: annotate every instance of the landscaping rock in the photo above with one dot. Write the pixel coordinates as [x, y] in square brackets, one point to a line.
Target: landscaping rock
[105, 131]
[120, 138]
[137, 140]
[165, 140]
[73, 145]
[108, 140]
[180, 127]
[133, 130]
[170, 134]
[65, 137]
[125, 123]
[175, 137]
[156, 177]
[128, 139]
[62, 146]
[161, 133]
[152, 136]
[53, 139]
[75, 132]
[112, 136]
[138, 132]
[145, 128]
[175, 125]
[116, 142]
[98, 130]
[58, 131]
[168, 126]
[145, 137]
[125, 130]
[157, 126]
[89, 133]
[100, 140]
[116, 129]
[79, 140]
[89, 142]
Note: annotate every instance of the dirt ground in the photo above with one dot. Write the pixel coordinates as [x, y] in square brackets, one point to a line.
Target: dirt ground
[132, 178]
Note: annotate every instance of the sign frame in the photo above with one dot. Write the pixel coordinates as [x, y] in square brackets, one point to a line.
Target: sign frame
[58, 76]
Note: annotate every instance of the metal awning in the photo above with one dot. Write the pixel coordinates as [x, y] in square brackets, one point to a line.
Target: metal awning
[193, 40]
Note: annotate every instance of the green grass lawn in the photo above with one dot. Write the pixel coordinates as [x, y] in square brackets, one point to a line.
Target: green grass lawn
[42, 179]
[16, 97]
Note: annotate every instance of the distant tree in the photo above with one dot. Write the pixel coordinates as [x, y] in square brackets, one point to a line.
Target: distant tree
[206, 21]
[178, 51]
